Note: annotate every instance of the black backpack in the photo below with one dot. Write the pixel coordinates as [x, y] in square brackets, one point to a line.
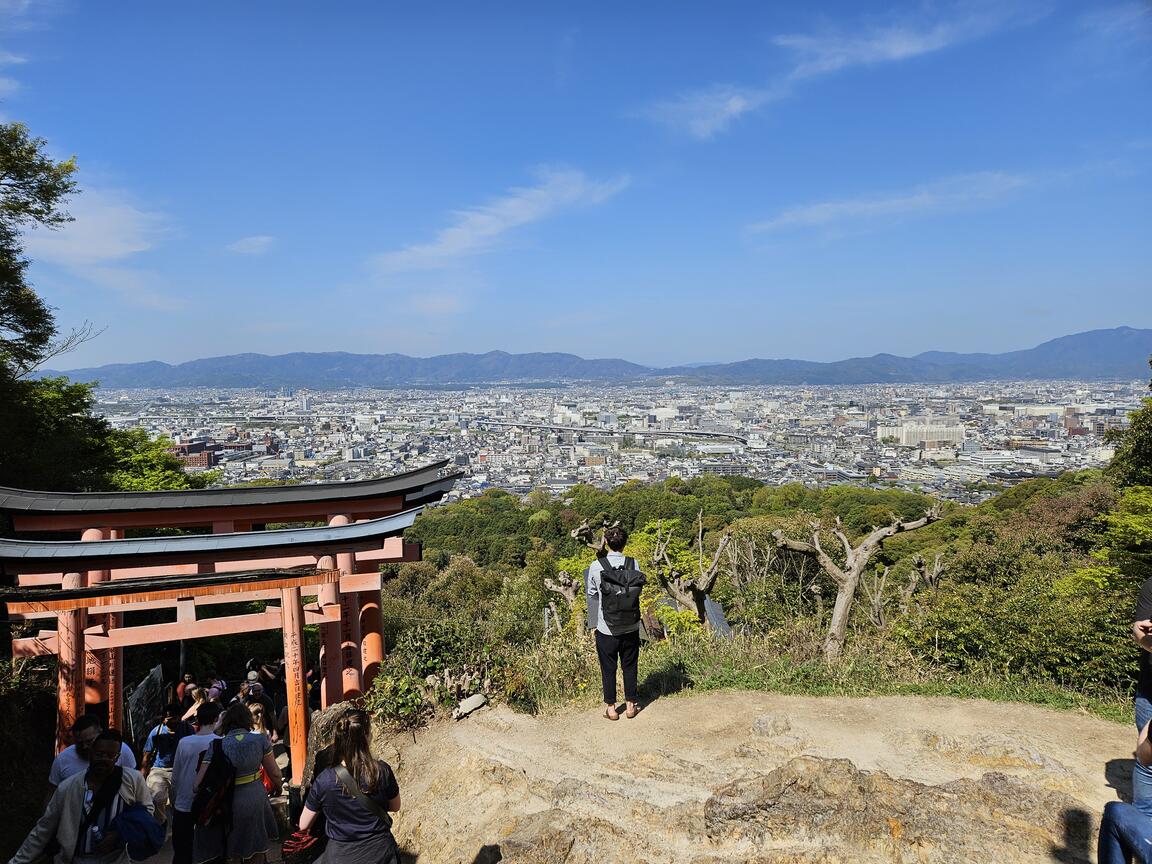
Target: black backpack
[212, 805]
[620, 589]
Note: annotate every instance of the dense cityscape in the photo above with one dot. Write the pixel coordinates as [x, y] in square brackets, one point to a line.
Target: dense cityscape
[962, 442]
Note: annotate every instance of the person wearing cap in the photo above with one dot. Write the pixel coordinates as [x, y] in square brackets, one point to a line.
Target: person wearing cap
[252, 692]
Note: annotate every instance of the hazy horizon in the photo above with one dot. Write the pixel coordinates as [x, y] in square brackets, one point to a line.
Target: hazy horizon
[665, 185]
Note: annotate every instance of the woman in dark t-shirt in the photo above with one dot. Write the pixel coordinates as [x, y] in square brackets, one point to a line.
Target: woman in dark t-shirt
[357, 833]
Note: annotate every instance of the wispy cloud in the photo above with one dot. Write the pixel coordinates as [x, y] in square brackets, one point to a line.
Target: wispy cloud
[108, 231]
[255, 245]
[8, 84]
[706, 111]
[826, 53]
[480, 229]
[949, 194]
[1130, 21]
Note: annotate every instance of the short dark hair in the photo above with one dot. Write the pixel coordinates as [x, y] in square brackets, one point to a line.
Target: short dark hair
[109, 735]
[173, 709]
[86, 721]
[616, 538]
[208, 713]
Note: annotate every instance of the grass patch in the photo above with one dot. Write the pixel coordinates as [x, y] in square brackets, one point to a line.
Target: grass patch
[563, 671]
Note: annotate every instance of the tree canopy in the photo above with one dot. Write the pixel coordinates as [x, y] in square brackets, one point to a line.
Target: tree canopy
[1132, 464]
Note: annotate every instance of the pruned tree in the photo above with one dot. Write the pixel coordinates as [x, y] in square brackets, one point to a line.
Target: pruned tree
[566, 585]
[586, 534]
[924, 572]
[846, 576]
[689, 589]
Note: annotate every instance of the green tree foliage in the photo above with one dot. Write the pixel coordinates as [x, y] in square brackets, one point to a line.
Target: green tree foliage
[141, 463]
[33, 188]
[50, 438]
[1132, 464]
[1011, 602]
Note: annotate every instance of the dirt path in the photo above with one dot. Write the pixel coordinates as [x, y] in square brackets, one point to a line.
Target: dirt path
[481, 780]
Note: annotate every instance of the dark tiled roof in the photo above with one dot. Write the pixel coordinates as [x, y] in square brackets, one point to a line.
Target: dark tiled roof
[417, 486]
[61, 554]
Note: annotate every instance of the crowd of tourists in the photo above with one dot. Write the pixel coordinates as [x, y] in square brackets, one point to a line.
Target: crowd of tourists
[208, 764]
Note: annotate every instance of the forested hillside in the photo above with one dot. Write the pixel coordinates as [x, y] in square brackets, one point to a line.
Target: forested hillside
[1028, 595]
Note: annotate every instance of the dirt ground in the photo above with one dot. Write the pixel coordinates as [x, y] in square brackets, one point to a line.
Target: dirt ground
[467, 784]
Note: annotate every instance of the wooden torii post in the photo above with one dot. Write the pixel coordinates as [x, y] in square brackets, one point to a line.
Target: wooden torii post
[360, 527]
[136, 594]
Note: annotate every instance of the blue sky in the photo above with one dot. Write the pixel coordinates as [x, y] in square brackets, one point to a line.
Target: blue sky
[663, 182]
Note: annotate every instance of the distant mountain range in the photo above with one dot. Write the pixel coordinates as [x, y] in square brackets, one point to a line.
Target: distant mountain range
[1121, 353]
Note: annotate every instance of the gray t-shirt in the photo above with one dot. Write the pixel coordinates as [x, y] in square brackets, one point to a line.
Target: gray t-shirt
[592, 588]
[185, 767]
[69, 762]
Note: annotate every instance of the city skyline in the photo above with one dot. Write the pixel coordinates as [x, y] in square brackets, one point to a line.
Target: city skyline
[665, 185]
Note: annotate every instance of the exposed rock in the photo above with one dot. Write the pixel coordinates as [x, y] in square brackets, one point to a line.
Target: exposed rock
[320, 737]
[473, 703]
[812, 803]
[717, 778]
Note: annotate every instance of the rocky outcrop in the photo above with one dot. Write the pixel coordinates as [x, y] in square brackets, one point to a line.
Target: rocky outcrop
[752, 777]
[831, 809]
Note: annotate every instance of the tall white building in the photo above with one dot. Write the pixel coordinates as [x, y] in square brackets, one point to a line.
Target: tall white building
[913, 431]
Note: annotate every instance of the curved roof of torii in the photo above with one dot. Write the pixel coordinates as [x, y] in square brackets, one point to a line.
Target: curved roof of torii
[35, 556]
[418, 486]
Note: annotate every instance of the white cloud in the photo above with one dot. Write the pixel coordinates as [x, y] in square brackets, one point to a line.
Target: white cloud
[479, 229]
[952, 193]
[108, 231]
[828, 53]
[704, 112]
[107, 226]
[255, 245]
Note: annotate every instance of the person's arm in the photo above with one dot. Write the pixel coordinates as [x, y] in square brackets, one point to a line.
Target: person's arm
[1144, 747]
[592, 589]
[307, 817]
[391, 787]
[203, 766]
[1142, 633]
[1142, 619]
[42, 832]
[149, 753]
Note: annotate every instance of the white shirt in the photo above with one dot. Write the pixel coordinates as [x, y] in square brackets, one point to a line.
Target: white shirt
[69, 762]
[186, 764]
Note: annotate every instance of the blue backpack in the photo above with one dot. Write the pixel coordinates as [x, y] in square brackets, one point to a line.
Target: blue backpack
[143, 836]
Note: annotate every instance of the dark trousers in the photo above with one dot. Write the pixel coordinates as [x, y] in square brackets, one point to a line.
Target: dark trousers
[182, 825]
[626, 649]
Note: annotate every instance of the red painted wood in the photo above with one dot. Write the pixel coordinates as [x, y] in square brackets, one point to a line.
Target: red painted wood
[203, 517]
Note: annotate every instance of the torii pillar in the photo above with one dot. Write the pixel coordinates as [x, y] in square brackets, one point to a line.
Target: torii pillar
[69, 665]
[351, 677]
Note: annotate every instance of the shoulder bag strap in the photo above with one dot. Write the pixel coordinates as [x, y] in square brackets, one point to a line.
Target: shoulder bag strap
[349, 783]
[101, 798]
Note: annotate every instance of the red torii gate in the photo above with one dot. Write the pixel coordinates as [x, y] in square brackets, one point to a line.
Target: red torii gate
[365, 522]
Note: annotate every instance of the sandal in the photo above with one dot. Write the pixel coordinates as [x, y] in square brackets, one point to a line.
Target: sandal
[611, 714]
[632, 711]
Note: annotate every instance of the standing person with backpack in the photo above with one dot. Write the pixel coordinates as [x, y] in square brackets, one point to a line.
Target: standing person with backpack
[356, 795]
[613, 583]
[242, 829]
[159, 752]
